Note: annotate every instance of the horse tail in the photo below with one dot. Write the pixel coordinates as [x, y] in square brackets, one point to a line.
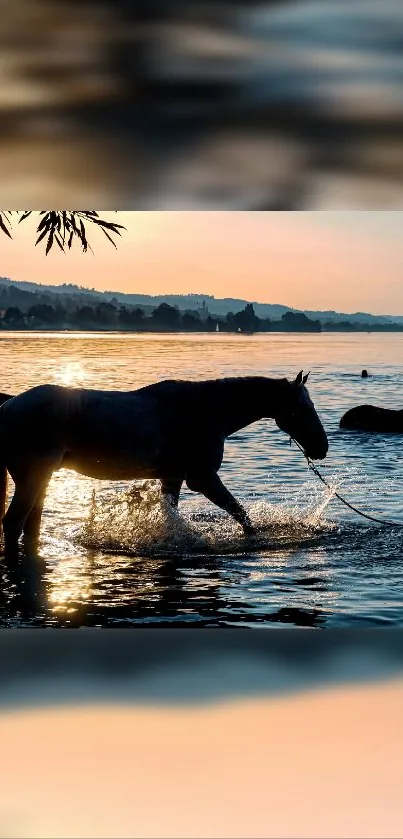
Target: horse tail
[3, 494]
[4, 397]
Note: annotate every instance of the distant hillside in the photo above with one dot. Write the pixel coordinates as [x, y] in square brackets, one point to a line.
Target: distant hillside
[355, 317]
[215, 305]
[17, 293]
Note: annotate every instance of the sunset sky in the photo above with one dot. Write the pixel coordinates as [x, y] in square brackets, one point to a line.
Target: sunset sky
[346, 261]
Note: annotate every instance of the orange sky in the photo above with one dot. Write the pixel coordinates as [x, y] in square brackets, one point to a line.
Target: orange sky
[347, 261]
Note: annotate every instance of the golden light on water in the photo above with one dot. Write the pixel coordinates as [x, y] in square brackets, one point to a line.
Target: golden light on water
[68, 497]
[71, 374]
[71, 583]
[69, 494]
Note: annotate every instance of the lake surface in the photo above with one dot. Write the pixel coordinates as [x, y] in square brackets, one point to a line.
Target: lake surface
[111, 561]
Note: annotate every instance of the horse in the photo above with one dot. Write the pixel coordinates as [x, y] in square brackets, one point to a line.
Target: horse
[172, 430]
[371, 418]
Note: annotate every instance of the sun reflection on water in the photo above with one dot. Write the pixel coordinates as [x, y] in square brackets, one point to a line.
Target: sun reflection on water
[71, 584]
[71, 374]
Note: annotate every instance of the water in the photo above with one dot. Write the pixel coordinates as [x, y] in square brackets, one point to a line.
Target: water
[115, 557]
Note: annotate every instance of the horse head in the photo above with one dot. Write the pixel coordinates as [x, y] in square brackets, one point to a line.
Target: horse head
[298, 418]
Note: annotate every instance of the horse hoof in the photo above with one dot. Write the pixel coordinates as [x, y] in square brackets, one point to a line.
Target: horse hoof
[11, 551]
[249, 530]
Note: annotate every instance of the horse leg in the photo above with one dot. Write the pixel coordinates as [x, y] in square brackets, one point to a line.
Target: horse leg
[32, 525]
[25, 496]
[211, 486]
[170, 490]
[3, 494]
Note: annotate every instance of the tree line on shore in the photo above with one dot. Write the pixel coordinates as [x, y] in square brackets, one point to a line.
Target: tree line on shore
[106, 315]
[165, 318]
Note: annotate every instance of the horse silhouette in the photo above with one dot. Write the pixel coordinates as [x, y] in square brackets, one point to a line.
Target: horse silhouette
[173, 430]
[371, 418]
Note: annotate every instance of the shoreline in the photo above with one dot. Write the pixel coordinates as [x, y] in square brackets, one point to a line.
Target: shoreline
[105, 330]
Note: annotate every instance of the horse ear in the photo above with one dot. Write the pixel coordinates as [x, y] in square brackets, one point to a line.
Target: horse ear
[298, 380]
[305, 379]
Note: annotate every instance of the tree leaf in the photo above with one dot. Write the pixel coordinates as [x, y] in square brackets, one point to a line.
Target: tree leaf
[4, 227]
[24, 216]
[50, 242]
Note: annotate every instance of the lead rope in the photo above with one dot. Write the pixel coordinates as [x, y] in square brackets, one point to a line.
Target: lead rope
[340, 497]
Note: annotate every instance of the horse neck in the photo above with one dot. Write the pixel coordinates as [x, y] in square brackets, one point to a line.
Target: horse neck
[240, 401]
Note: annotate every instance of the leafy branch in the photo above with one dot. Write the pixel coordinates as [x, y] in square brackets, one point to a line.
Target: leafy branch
[62, 227]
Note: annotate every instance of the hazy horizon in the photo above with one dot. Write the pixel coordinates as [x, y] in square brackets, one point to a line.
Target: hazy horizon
[210, 296]
[343, 261]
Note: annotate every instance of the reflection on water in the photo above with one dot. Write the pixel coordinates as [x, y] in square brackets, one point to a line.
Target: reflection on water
[71, 374]
[115, 555]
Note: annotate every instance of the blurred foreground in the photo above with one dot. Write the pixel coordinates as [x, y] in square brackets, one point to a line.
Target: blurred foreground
[115, 739]
[266, 104]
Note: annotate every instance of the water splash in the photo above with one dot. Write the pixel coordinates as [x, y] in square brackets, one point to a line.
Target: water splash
[141, 522]
[350, 483]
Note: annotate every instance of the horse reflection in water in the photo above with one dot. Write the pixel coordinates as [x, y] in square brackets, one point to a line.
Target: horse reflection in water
[194, 592]
[24, 593]
[174, 431]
